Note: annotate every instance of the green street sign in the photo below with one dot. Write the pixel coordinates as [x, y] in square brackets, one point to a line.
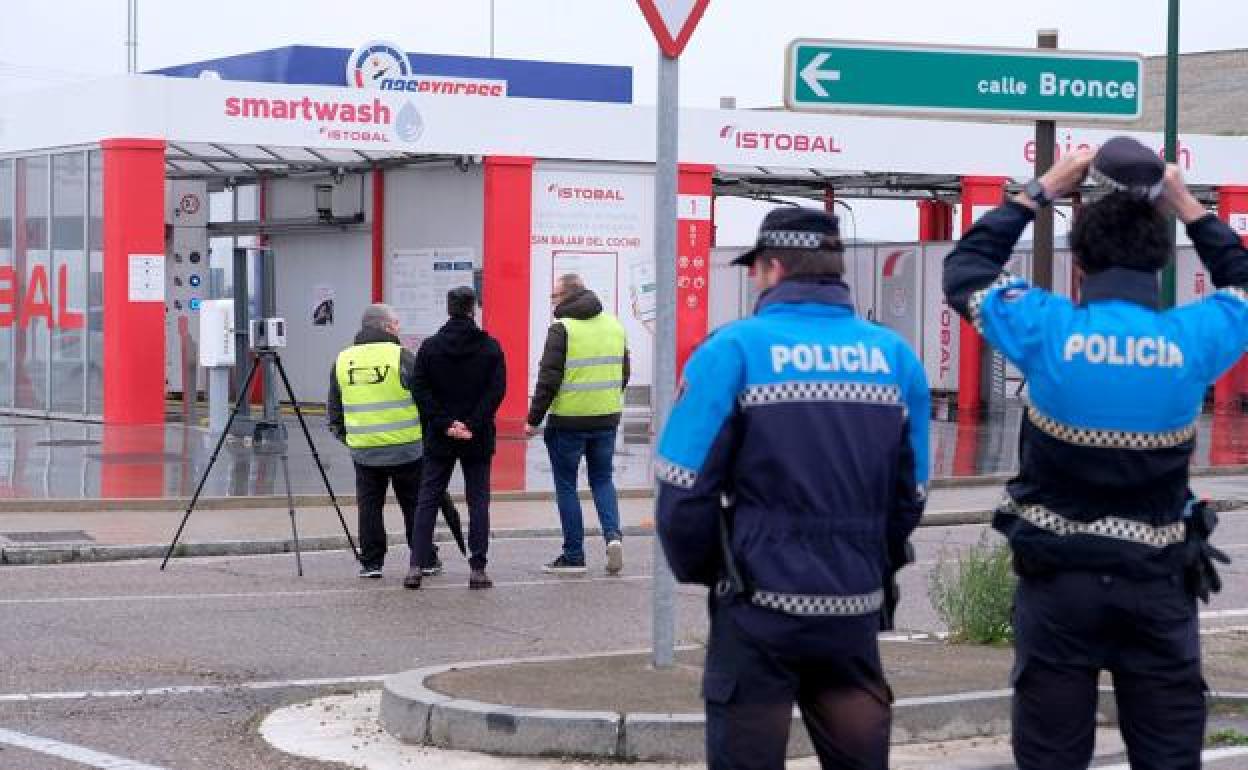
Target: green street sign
[847, 76]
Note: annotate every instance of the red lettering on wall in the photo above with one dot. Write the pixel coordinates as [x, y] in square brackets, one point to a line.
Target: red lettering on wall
[65, 318]
[8, 296]
[37, 303]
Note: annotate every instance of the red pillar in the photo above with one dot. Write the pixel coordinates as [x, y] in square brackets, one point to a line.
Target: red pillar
[379, 234]
[506, 276]
[1232, 207]
[693, 261]
[978, 193]
[134, 332]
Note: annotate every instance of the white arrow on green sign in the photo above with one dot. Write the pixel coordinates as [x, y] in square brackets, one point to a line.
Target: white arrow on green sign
[846, 76]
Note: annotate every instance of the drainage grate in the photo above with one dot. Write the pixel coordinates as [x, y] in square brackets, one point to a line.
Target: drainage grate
[61, 536]
[68, 442]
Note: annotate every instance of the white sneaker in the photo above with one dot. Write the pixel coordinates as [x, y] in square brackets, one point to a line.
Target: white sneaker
[615, 557]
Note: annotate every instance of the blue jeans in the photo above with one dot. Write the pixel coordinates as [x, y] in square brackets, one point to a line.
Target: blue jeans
[566, 448]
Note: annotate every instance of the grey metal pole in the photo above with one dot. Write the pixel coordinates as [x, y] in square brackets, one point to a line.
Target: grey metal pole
[664, 388]
[1042, 239]
[268, 309]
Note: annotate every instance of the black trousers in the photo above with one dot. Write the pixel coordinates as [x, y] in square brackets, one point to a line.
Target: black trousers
[371, 482]
[749, 690]
[1070, 627]
[437, 476]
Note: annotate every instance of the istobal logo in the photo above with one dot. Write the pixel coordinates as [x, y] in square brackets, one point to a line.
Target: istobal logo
[373, 64]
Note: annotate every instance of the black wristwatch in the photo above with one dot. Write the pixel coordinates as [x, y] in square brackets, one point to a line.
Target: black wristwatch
[1037, 193]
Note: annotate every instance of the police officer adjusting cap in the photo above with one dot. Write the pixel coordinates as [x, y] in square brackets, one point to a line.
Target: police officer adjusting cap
[793, 227]
[1127, 166]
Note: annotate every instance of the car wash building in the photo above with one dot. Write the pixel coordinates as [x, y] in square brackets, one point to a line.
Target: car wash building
[377, 175]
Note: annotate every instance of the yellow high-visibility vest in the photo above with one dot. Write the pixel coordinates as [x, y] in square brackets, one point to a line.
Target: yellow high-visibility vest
[376, 409]
[593, 371]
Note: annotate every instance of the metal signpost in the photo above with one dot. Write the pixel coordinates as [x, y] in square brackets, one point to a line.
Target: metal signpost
[672, 22]
[832, 75]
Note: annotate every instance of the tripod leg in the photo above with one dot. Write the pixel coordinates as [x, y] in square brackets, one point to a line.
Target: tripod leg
[294, 402]
[238, 406]
[294, 528]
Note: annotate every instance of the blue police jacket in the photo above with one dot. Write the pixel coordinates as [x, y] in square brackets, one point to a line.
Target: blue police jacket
[1114, 391]
[811, 426]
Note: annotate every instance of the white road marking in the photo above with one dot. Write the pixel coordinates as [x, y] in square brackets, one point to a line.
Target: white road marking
[1233, 613]
[69, 751]
[190, 689]
[316, 592]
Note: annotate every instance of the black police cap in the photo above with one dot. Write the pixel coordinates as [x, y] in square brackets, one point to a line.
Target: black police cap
[1128, 166]
[791, 227]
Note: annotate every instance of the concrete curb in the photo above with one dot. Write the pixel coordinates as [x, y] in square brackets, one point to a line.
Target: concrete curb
[65, 553]
[100, 505]
[416, 714]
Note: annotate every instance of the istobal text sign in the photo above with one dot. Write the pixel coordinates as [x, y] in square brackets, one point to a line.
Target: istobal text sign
[837, 75]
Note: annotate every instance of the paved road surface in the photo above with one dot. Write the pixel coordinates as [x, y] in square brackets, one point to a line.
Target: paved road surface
[238, 637]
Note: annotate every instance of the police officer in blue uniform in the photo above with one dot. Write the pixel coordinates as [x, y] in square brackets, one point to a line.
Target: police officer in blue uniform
[792, 471]
[1110, 547]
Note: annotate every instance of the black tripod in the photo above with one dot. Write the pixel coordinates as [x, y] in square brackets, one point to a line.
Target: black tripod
[263, 431]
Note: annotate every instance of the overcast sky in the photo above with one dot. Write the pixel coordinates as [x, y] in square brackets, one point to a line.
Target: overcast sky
[738, 49]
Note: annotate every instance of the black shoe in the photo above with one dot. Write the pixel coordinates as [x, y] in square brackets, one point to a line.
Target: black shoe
[478, 580]
[373, 573]
[432, 569]
[412, 580]
[565, 566]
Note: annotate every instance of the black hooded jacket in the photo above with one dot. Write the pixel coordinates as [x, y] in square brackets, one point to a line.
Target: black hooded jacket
[582, 305]
[460, 375]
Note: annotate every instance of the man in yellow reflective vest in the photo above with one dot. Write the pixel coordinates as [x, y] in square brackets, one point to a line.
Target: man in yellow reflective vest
[372, 410]
[581, 381]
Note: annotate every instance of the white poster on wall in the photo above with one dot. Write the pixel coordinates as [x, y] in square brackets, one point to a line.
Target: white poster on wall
[597, 222]
[1191, 278]
[418, 282]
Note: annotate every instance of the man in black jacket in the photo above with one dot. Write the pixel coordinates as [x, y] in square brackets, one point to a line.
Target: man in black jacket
[460, 380]
[380, 425]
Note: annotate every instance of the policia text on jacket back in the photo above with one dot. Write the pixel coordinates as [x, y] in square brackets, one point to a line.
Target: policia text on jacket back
[791, 476]
[1110, 546]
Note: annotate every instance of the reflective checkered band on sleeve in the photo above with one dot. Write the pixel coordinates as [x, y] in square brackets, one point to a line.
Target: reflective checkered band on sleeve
[1113, 527]
[676, 475]
[790, 239]
[1109, 439]
[808, 605]
[1235, 292]
[789, 392]
[976, 304]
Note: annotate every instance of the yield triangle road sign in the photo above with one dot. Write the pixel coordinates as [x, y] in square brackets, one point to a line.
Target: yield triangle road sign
[672, 22]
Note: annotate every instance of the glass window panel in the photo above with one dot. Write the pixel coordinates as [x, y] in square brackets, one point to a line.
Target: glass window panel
[6, 283]
[68, 280]
[34, 304]
[95, 288]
